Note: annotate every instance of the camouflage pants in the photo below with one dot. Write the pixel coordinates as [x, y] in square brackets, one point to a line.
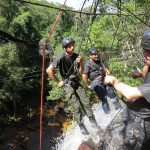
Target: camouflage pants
[123, 133]
[78, 100]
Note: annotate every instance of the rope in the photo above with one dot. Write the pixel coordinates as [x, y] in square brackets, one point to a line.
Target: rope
[136, 16]
[109, 14]
[42, 85]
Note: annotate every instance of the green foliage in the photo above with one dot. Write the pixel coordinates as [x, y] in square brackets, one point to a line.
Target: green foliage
[117, 38]
[117, 69]
[55, 92]
[23, 26]
[9, 10]
[3, 23]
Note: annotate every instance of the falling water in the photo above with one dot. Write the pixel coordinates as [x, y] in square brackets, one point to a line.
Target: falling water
[72, 138]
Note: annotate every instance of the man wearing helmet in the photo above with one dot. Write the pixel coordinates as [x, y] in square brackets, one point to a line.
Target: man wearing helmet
[95, 71]
[131, 127]
[68, 63]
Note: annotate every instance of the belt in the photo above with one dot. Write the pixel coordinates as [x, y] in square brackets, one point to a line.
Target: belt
[98, 79]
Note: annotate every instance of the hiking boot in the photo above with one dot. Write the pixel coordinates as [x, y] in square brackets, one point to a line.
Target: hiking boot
[94, 123]
[83, 129]
[116, 103]
[106, 108]
[118, 107]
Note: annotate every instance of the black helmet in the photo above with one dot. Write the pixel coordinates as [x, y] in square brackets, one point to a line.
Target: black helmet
[145, 43]
[66, 41]
[92, 51]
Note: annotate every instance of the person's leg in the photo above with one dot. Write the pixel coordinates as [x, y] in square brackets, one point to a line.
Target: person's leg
[113, 96]
[101, 93]
[85, 104]
[74, 103]
[71, 95]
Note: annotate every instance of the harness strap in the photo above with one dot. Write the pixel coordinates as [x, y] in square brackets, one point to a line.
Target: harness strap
[72, 80]
[98, 79]
[98, 67]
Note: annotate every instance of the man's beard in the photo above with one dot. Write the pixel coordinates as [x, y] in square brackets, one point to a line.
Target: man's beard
[94, 59]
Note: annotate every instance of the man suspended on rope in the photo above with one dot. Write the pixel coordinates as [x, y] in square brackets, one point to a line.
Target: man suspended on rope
[95, 71]
[69, 63]
[131, 126]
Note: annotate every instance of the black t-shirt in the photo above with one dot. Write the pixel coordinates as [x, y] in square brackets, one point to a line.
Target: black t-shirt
[93, 69]
[141, 106]
[66, 64]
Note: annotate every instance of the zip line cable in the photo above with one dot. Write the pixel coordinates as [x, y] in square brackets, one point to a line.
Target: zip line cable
[86, 28]
[73, 10]
[82, 7]
[136, 16]
[59, 8]
[89, 26]
[95, 9]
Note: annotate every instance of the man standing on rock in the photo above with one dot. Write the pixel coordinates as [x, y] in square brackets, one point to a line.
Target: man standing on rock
[69, 64]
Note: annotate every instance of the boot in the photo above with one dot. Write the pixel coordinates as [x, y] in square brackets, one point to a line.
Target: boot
[106, 107]
[94, 123]
[83, 129]
[116, 103]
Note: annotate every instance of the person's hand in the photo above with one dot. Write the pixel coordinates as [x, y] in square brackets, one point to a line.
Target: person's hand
[89, 86]
[108, 79]
[60, 84]
[79, 60]
[135, 75]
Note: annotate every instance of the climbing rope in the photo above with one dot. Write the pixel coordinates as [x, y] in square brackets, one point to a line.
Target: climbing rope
[43, 60]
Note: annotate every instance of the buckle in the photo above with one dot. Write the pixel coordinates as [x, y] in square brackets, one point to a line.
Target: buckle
[130, 134]
[137, 119]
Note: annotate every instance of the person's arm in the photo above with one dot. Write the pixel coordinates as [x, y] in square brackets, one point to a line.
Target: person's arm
[80, 61]
[85, 80]
[142, 74]
[107, 71]
[50, 72]
[145, 70]
[127, 91]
